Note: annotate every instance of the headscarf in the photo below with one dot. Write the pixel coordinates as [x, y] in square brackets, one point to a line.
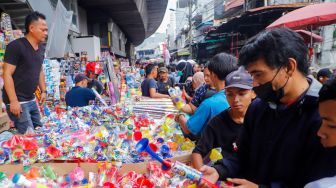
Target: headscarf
[187, 70]
[198, 79]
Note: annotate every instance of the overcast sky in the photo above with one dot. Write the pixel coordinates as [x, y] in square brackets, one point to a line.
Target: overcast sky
[165, 22]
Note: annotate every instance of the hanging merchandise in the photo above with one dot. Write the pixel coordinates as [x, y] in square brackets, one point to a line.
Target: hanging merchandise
[7, 34]
[53, 79]
[71, 67]
[111, 78]
[6, 26]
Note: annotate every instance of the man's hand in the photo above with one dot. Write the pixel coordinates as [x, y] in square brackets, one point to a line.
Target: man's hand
[243, 183]
[177, 117]
[173, 100]
[43, 98]
[210, 174]
[15, 108]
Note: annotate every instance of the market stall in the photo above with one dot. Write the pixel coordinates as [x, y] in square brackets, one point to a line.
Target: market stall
[96, 145]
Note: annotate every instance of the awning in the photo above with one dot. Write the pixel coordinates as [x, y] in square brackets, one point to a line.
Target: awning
[309, 37]
[311, 15]
[232, 4]
[204, 24]
[183, 52]
[213, 41]
[249, 22]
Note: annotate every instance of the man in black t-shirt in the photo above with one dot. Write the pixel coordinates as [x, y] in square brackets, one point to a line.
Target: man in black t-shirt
[222, 130]
[23, 73]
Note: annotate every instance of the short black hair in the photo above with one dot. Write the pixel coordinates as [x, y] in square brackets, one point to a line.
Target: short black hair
[222, 64]
[276, 46]
[328, 91]
[206, 65]
[172, 67]
[149, 68]
[32, 17]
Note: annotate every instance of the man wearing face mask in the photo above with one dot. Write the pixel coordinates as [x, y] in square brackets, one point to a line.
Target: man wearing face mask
[278, 145]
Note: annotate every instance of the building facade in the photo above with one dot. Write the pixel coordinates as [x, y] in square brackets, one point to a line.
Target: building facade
[120, 24]
[151, 48]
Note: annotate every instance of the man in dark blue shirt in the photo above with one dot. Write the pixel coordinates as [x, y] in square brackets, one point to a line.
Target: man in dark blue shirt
[79, 95]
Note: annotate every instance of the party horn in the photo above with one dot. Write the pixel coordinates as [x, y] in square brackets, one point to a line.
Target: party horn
[143, 145]
[180, 168]
[99, 97]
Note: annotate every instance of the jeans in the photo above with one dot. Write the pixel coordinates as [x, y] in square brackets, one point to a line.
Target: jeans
[30, 116]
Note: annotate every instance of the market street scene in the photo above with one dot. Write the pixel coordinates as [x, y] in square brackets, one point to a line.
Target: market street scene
[167, 94]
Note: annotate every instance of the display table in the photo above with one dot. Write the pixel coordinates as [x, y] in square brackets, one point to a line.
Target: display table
[62, 168]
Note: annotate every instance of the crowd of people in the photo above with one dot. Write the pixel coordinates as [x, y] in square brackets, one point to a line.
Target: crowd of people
[272, 119]
[23, 74]
[274, 122]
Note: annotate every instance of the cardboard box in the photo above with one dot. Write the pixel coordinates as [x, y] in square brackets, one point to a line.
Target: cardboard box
[64, 168]
[4, 122]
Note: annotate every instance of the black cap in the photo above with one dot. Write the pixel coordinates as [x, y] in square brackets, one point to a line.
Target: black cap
[80, 77]
[239, 79]
[325, 72]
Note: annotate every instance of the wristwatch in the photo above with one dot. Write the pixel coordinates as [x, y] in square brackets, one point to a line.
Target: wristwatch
[44, 92]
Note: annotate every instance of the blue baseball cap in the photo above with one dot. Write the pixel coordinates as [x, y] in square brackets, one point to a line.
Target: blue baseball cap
[325, 72]
[239, 79]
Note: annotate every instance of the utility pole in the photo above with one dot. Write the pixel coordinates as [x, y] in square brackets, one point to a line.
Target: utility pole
[190, 27]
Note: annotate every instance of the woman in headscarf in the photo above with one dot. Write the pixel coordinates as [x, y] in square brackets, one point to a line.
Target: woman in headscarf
[185, 71]
[197, 81]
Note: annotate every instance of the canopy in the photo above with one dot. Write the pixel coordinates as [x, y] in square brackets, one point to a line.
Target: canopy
[311, 15]
[309, 37]
[183, 52]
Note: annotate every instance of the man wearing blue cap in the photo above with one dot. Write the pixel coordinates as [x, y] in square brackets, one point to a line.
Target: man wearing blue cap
[324, 75]
[80, 95]
[222, 130]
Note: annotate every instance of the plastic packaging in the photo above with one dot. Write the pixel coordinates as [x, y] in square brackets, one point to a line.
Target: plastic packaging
[4, 181]
[99, 97]
[176, 94]
[48, 172]
[215, 155]
[21, 180]
[180, 168]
